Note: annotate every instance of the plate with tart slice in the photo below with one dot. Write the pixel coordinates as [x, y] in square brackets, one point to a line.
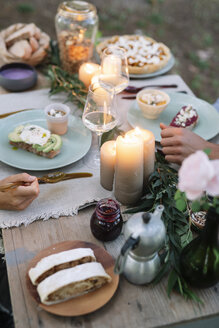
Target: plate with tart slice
[208, 118]
[146, 57]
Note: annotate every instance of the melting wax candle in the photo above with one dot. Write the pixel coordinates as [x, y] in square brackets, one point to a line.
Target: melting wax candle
[87, 71]
[149, 149]
[129, 169]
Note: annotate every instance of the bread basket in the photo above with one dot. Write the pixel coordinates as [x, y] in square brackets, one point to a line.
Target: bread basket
[23, 43]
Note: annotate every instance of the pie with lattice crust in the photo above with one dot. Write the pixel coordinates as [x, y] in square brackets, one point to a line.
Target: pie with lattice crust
[144, 54]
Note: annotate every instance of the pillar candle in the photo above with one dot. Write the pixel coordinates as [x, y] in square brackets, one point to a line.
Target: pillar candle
[129, 169]
[149, 150]
[112, 65]
[87, 71]
[107, 164]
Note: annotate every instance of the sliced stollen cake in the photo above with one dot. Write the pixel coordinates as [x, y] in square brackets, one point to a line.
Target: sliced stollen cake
[72, 282]
[59, 261]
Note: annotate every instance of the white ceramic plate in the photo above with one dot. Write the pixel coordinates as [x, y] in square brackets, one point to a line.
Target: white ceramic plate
[76, 143]
[207, 126]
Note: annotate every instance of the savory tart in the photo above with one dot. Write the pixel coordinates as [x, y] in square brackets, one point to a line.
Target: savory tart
[36, 139]
[60, 261]
[72, 282]
[187, 117]
[144, 54]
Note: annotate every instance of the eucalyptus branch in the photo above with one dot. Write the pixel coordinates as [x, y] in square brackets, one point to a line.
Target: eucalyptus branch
[62, 81]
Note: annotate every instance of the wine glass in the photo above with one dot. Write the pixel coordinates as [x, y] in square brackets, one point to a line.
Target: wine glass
[114, 74]
[99, 116]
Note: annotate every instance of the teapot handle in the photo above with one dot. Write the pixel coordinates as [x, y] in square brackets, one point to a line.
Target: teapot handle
[130, 243]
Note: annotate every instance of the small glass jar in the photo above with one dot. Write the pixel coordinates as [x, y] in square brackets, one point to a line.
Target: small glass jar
[106, 221]
[76, 26]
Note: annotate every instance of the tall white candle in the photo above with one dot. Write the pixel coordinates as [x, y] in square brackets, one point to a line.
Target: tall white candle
[87, 71]
[107, 164]
[149, 149]
[128, 169]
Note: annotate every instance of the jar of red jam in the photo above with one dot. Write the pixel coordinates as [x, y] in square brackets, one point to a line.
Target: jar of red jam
[106, 221]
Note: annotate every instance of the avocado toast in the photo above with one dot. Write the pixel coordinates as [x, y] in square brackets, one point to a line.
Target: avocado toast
[36, 139]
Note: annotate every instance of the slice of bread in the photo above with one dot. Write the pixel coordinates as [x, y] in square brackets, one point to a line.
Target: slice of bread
[72, 282]
[25, 32]
[36, 140]
[59, 261]
[21, 49]
[187, 117]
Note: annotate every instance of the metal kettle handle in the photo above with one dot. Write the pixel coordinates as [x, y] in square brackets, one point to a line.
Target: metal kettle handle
[130, 243]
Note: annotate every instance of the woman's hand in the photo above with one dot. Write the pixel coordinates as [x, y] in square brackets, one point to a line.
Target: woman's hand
[178, 143]
[20, 197]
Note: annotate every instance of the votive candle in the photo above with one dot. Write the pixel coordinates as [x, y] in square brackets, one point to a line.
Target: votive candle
[87, 71]
[107, 164]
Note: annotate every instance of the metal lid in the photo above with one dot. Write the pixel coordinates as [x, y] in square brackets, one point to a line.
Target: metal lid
[80, 10]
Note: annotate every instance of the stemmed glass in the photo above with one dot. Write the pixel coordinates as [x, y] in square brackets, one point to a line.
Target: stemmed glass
[99, 116]
[114, 74]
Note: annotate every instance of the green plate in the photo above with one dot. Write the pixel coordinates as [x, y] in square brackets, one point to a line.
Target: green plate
[207, 126]
[76, 143]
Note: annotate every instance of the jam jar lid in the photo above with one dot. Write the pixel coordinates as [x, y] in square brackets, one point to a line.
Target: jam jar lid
[107, 209]
[79, 9]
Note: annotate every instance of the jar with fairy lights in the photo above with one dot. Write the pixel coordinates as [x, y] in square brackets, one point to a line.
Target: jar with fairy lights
[76, 27]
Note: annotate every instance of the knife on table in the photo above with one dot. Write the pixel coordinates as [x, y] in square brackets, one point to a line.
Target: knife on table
[11, 113]
[49, 178]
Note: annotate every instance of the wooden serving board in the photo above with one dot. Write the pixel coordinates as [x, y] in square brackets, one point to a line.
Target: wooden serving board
[82, 304]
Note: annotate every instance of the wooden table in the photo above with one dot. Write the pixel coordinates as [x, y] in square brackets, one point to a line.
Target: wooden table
[131, 306]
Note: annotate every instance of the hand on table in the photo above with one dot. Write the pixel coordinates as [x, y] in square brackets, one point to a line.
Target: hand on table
[178, 143]
[20, 197]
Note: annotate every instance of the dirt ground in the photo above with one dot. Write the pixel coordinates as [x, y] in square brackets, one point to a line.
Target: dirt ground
[189, 27]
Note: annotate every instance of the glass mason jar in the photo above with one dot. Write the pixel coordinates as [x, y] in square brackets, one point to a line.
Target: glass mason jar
[76, 26]
[106, 221]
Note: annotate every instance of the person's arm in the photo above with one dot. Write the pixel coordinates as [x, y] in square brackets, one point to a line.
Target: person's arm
[178, 143]
[20, 197]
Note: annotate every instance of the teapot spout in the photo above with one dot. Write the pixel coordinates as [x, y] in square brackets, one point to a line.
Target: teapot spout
[158, 211]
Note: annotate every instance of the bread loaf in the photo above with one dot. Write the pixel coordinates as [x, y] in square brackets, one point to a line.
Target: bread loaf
[72, 282]
[59, 261]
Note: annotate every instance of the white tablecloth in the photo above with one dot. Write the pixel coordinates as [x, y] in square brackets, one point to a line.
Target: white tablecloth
[64, 198]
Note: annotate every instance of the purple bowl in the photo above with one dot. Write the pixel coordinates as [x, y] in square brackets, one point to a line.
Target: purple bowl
[17, 76]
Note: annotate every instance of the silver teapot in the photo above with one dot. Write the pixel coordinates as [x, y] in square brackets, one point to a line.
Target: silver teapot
[139, 260]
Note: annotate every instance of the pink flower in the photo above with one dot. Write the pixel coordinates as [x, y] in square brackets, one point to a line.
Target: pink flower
[213, 185]
[195, 174]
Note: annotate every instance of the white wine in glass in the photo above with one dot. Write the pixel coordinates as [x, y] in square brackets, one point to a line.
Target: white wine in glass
[114, 74]
[99, 116]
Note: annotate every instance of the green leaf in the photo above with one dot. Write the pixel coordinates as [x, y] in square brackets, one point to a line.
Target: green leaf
[172, 279]
[207, 151]
[178, 195]
[195, 206]
[112, 134]
[181, 204]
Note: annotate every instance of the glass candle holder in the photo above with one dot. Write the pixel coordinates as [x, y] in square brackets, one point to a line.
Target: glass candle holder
[76, 26]
[106, 221]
